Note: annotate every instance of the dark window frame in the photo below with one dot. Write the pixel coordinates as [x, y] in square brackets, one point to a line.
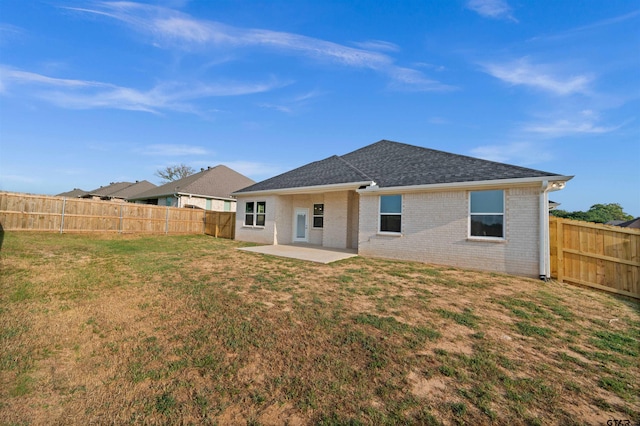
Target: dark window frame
[318, 216]
[255, 214]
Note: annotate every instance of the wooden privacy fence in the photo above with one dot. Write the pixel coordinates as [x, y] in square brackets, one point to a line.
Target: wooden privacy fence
[25, 212]
[220, 224]
[594, 255]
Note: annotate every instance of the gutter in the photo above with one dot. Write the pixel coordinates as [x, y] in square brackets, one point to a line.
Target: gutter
[179, 194]
[308, 189]
[545, 255]
[205, 196]
[470, 185]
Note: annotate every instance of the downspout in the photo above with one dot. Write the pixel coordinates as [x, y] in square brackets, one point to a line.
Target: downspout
[544, 267]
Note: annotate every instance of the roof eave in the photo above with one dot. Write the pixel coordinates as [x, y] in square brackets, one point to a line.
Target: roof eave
[188, 194]
[307, 189]
[484, 184]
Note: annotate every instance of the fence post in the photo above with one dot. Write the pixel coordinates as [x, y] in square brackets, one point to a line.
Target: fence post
[120, 225]
[166, 223]
[64, 204]
[560, 249]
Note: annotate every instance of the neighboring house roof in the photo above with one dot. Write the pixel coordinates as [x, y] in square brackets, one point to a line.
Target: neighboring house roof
[121, 190]
[394, 164]
[633, 223]
[615, 222]
[132, 190]
[105, 191]
[74, 193]
[553, 205]
[215, 182]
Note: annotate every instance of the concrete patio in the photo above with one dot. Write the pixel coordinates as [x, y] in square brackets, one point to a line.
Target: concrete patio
[306, 252]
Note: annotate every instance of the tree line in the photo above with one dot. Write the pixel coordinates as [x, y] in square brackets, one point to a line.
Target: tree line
[598, 213]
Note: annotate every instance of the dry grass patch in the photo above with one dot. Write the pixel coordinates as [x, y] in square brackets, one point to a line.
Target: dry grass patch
[157, 330]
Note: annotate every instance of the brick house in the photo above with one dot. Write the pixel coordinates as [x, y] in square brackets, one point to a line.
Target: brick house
[209, 189]
[399, 201]
[114, 191]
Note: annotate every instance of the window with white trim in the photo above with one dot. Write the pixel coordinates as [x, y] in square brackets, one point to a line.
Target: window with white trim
[318, 215]
[486, 214]
[391, 213]
[255, 213]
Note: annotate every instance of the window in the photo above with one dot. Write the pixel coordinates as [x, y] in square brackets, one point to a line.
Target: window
[255, 213]
[318, 215]
[390, 213]
[487, 214]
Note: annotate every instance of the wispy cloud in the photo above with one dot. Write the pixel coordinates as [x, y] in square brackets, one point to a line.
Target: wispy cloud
[524, 153]
[585, 28]
[84, 94]
[18, 178]
[494, 9]
[256, 170]
[294, 104]
[383, 46]
[177, 30]
[169, 150]
[586, 122]
[438, 120]
[543, 77]
[410, 79]
[9, 32]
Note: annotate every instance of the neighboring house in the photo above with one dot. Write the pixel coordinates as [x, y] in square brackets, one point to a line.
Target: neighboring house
[399, 201]
[210, 189]
[74, 193]
[553, 205]
[119, 190]
[633, 223]
[614, 222]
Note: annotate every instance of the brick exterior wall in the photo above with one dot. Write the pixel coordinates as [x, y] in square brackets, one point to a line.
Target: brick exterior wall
[435, 228]
[340, 213]
[256, 234]
[336, 214]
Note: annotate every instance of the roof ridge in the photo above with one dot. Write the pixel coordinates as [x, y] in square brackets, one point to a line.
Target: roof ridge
[355, 168]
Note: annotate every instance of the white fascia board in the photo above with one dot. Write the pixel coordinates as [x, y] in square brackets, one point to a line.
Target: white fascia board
[211, 197]
[484, 184]
[186, 194]
[307, 189]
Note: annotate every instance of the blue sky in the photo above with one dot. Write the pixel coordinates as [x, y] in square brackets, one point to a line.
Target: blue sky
[97, 92]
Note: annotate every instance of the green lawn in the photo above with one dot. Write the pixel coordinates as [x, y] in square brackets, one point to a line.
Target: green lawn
[189, 330]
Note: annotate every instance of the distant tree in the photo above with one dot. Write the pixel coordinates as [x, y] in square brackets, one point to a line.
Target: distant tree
[171, 173]
[599, 213]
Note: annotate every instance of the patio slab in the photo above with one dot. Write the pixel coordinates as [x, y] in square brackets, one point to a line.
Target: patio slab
[306, 252]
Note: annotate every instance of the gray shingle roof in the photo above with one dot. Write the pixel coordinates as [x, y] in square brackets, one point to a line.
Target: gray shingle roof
[392, 164]
[219, 182]
[133, 190]
[74, 193]
[633, 223]
[121, 190]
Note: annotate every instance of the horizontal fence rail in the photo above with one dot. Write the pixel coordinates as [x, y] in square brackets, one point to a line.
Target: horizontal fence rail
[594, 255]
[26, 212]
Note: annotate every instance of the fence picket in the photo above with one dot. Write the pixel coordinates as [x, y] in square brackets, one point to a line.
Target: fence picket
[600, 256]
[27, 212]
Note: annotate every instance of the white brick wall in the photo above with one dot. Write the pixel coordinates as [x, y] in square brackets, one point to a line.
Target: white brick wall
[254, 234]
[435, 230]
[336, 214]
[340, 212]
